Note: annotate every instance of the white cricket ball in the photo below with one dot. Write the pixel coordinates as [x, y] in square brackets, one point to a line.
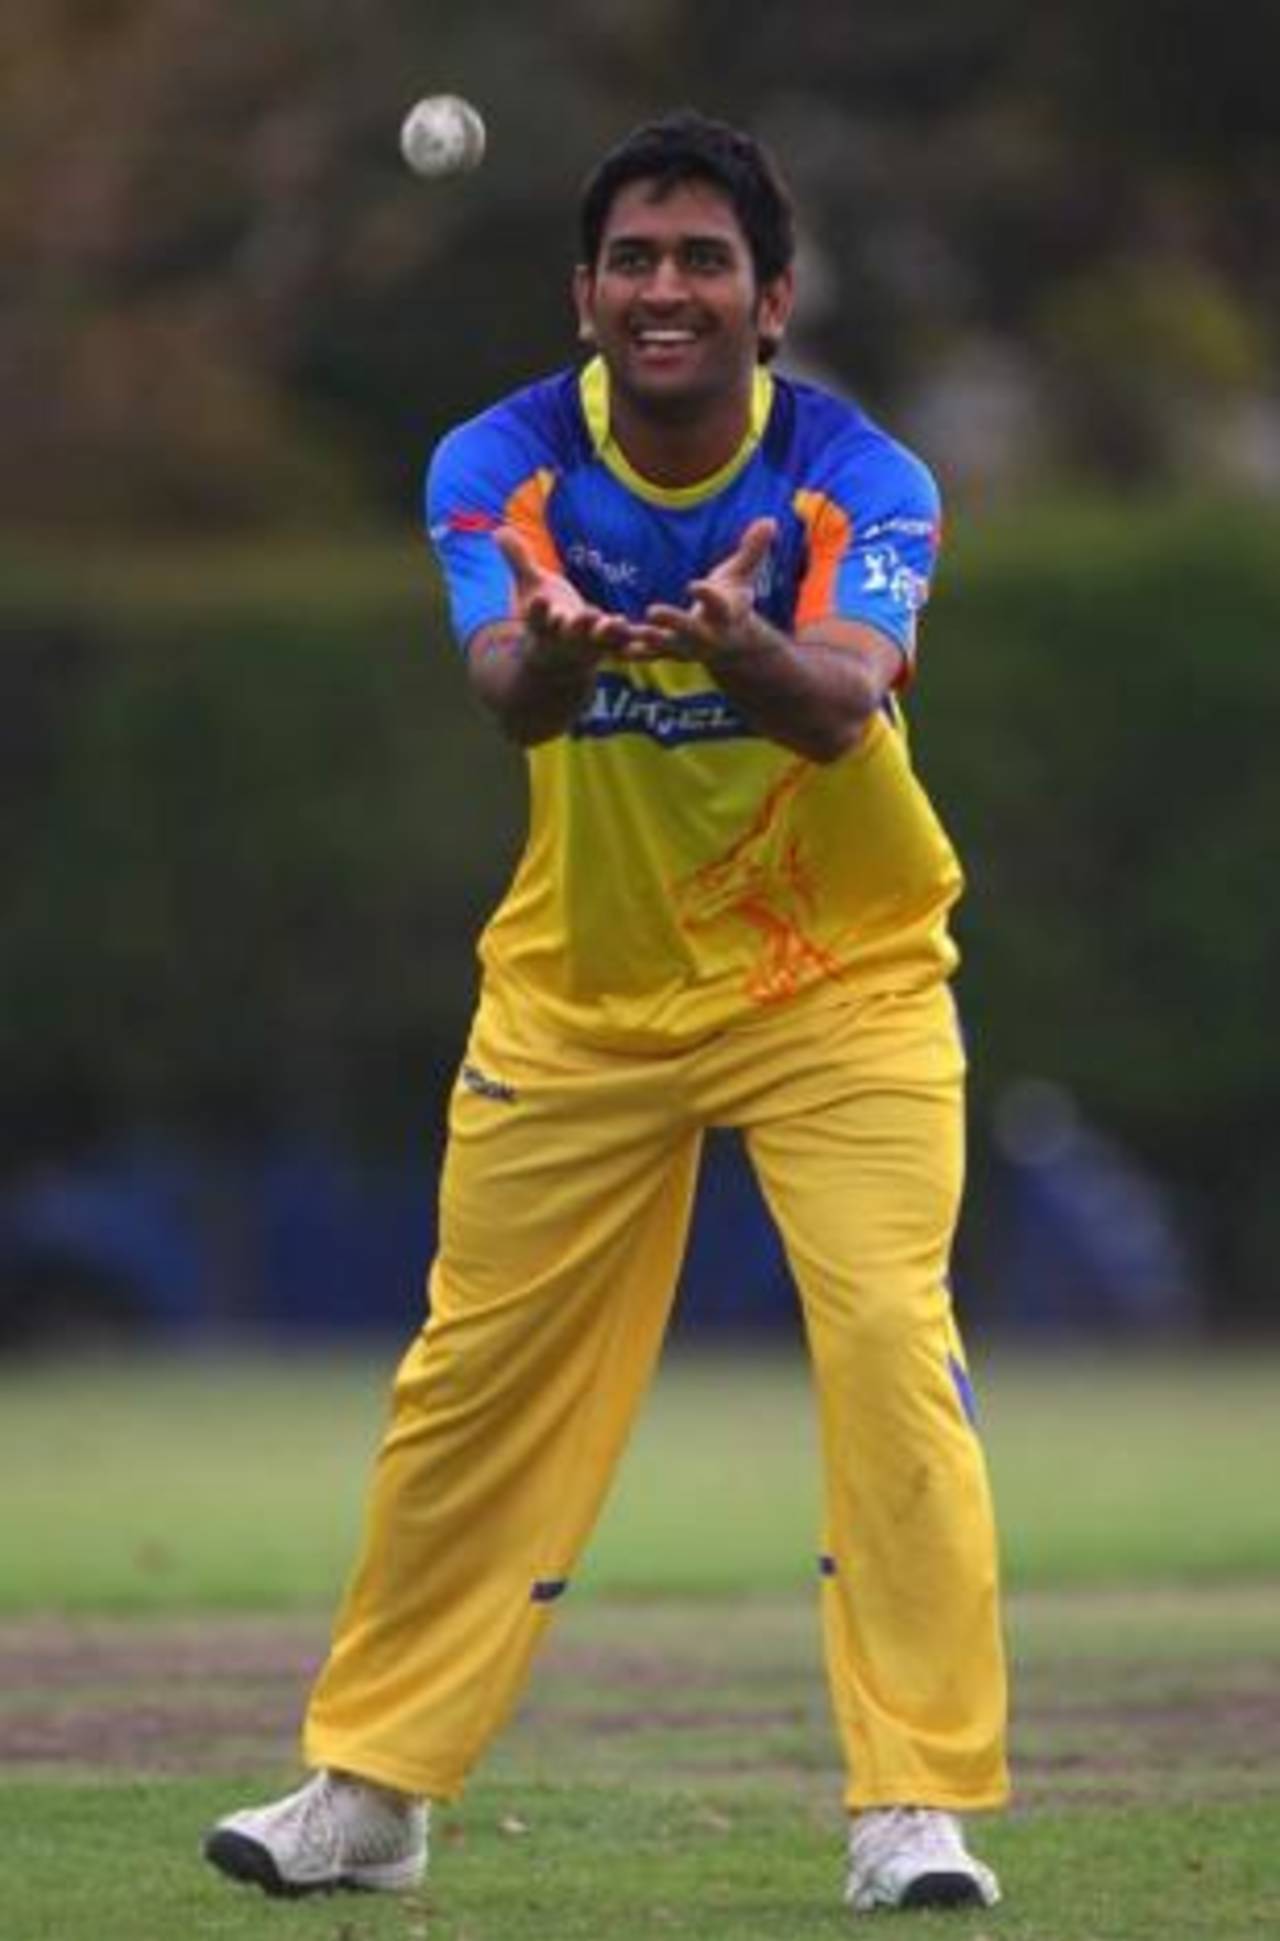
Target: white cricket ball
[442, 135]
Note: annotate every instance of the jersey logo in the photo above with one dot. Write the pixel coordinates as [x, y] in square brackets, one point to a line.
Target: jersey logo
[613, 572]
[618, 707]
[485, 1087]
[884, 571]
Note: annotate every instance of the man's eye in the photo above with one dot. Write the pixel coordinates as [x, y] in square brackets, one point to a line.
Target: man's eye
[705, 256]
[629, 261]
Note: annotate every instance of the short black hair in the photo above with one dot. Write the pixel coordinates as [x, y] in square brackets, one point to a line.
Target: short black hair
[689, 147]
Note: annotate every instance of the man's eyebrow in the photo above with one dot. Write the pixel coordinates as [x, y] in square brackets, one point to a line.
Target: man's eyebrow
[641, 239]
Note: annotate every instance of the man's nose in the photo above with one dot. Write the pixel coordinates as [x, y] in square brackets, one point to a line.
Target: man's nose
[667, 282]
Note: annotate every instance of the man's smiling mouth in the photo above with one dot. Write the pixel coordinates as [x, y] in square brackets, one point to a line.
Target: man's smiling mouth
[663, 336]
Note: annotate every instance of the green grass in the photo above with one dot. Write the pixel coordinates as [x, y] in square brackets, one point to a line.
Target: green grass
[116, 1865]
[673, 1772]
[126, 1487]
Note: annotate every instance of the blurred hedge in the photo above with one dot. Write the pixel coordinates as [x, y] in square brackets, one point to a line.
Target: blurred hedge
[255, 824]
[252, 821]
[1098, 721]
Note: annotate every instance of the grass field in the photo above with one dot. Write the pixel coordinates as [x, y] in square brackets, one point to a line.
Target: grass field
[126, 1487]
[171, 1537]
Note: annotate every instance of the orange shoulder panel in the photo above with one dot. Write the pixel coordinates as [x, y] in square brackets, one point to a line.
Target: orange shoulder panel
[830, 530]
[526, 510]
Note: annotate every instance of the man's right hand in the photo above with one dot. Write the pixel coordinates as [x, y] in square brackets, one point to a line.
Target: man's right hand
[536, 669]
[561, 627]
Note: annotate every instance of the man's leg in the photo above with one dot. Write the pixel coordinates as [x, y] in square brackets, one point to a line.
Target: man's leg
[564, 1206]
[860, 1155]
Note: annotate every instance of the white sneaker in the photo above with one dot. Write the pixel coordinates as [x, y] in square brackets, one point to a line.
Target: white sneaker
[914, 1856]
[336, 1831]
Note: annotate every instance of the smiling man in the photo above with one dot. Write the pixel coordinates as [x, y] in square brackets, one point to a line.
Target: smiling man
[690, 589]
[674, 301]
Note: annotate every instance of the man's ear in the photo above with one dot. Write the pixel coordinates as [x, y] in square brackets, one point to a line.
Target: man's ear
[583, 286]
[773, 311]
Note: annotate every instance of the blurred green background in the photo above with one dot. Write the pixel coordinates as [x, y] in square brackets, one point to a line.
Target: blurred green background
[1138, 1470]
[251, 819]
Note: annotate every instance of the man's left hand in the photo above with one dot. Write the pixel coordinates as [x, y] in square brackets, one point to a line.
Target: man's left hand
[721, 609]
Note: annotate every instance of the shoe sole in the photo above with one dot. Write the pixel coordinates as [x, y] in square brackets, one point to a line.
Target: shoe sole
[247, 1861]
[943, 1890]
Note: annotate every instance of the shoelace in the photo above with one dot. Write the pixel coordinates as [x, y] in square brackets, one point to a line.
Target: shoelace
[925, 1829]
[309, 1820]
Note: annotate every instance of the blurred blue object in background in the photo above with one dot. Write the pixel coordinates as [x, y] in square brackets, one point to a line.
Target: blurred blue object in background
[162, 1240]
[172, 1242]
[342, 1247]
[101, 1249]
[1085, 1238]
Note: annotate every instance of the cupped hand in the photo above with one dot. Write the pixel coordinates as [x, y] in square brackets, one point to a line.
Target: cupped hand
[554, 613]
[720, 609]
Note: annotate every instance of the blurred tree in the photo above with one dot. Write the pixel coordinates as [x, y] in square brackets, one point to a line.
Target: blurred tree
[226, 295]
[1150, 356]
[251, 868]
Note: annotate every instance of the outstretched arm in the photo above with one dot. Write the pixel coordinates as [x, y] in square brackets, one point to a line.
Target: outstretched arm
[535, 670]
[813, 694]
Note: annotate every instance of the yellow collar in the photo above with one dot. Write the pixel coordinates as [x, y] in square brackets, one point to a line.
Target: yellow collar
[593, 388]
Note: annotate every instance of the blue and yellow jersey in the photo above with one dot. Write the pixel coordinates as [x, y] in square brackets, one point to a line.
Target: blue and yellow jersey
[681, 869]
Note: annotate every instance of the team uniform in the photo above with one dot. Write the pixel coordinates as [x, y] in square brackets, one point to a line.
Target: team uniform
[704, 929]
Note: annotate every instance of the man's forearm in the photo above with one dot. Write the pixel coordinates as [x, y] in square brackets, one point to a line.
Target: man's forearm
[810, 697]
[535, 691]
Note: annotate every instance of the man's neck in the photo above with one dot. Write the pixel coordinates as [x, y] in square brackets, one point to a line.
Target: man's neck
[671, 451]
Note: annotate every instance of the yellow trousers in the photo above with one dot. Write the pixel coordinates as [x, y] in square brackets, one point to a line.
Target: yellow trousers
[565, 1201]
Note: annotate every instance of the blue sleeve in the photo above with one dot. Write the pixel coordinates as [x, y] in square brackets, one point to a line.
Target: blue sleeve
[473, 486]
[884, 537]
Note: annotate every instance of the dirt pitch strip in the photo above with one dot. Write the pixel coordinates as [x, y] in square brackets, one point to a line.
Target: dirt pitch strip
[1119, 1698]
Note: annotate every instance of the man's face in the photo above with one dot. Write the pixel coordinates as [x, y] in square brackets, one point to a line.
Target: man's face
[672, 301]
